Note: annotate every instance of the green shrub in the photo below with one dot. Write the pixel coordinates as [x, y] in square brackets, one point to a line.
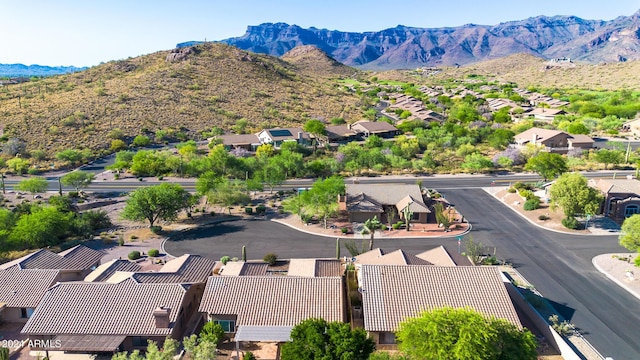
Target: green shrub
[134, 255]
[521, 186]
[248, 210]
[270, 259]
[395, 226]
[248, 356]
[511, 190]
[133, 237]
[212, 332]
[156, 229]
[120, 240]
[344, 230]
[224, 260]
[532, 204]
[543, 217]
[570, 223]
[160, 178]
[154, 252]
[526, 194]
[261, 209]
[73, 194]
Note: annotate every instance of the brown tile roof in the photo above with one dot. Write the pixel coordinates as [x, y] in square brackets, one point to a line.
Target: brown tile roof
[581, 139]
[398, 257]
[106, 270]
[618, 186]
[384, 194]
[279, 134]
[315, 267]
[184, 269]
[274, 300]
[369, 256]
[25, 288]
[374, 126]
[540, 133]
[437, 256]
[77, 258]
[126, 308]
[548, 112]
[239, 268]
[241, 139]
[339, 131]
[84, 343]
[392, 293]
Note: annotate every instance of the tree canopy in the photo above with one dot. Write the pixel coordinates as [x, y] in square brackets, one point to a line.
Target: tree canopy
[548, 165]
[630, 234]
[461, 334]
[160, 202]
[78, 179]
[316, 339]
[572, 193]
[33, 185]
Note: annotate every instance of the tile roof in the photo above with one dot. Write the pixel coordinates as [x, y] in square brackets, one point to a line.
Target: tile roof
[618, 186]
[398, 257]
[184, 269]
[241, 139]
[373, 196]
[338, 131]
[286, 133]
[106, 270]
[25, 288]
[540, 134]
[371, 255]
[374, 126]
[239, 268]
[315, 267]
[580, 138]
[77, 258]
[437, 256]
[392, 293]
[84, 343]
[126, 308]
[274, 300]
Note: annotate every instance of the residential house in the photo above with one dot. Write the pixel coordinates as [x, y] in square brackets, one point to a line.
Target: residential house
[266, 308]
[103, 317]
[120, 308]
[315, 268]
[553, 140]
[248, 142]
[379, 128]
[364, 201]
[379, 257]
[621, 197]
[278, 136]
[24, 281]
[340, 134]
[241, 268]
[544, 114]
[394, 293]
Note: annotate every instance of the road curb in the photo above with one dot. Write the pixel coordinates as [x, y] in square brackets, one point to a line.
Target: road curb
[612, 278]
[485, 189]
[380, 238]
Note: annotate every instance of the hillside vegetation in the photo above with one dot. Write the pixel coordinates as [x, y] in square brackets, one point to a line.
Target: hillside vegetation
[168, 95]
[526, 70]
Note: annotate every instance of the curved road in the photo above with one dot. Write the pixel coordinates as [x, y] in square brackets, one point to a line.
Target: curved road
[560, 267]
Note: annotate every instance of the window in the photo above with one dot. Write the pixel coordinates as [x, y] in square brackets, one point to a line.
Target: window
[26, 313]
[139, 341]
[631, 210]
[229, 326]
[387, 338]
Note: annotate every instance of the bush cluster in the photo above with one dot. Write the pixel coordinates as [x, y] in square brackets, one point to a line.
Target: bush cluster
[570, 223]
[154, 253]
[134, 255]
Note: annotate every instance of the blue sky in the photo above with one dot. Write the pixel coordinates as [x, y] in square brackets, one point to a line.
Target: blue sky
[87, 32]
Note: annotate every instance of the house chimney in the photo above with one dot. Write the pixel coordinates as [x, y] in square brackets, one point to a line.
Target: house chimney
[299, 136]
[161, 316]
[535, 138]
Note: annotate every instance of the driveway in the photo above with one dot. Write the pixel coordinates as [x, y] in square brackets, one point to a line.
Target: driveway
[262, 237]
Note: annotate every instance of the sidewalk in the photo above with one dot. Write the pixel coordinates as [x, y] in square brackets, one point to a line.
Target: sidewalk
[417, 230]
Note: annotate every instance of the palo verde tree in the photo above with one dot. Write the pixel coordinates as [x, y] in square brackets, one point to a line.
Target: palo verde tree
[33, 185]
[548, 165]
[316, 339]
[461, 334]
[322, 199]
[78, 179]
[153, 203]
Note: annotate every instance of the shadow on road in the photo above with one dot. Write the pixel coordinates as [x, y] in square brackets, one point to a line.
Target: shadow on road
[209, 231]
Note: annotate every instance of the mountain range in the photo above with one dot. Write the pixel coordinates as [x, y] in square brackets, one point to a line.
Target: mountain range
[593, 41]
[17, 70]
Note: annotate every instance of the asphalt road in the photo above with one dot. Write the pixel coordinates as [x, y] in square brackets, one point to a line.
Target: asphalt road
[560, 267]
[263, 237]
